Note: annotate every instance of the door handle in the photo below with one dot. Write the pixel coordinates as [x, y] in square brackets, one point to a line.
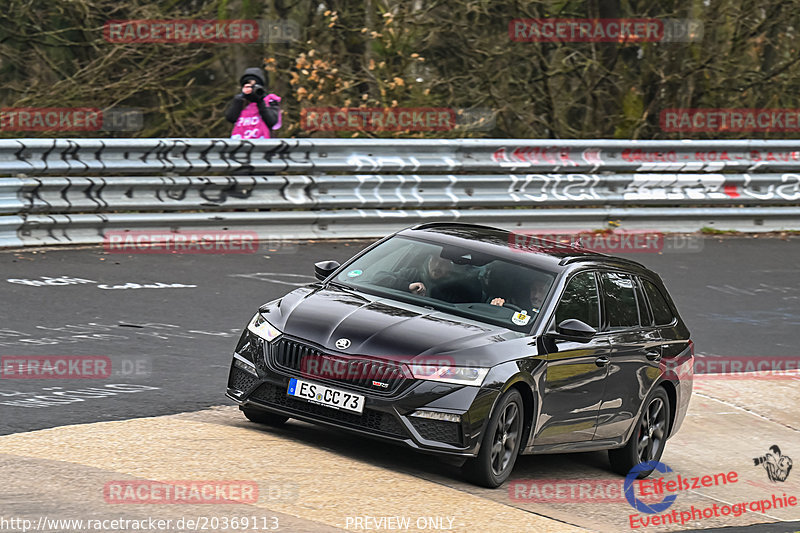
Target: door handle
[653, 356]
[602, 361]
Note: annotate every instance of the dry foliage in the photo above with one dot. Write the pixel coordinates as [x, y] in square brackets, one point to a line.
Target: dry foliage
[414, 53]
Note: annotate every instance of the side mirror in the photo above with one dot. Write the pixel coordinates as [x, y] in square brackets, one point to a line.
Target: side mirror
[575, 330]
[323, 269]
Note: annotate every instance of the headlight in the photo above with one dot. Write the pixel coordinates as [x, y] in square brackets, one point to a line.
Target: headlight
[460, 375]
[262, 328]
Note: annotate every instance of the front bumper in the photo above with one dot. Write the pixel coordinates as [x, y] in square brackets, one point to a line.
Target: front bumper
[255, 381]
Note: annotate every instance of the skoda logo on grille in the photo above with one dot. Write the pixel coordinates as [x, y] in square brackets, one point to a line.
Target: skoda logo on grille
[343, 344]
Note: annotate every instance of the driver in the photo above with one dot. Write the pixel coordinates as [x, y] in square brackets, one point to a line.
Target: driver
[435, 269]
[442, 280]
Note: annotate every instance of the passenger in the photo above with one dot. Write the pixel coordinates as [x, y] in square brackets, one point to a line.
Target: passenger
[536, 295]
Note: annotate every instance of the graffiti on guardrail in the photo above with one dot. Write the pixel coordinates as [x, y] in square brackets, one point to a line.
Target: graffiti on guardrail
[87, 194]
[34, 156]
[319, 187]
[160, 155]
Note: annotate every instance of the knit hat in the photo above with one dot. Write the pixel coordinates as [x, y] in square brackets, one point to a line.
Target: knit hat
[253, 74]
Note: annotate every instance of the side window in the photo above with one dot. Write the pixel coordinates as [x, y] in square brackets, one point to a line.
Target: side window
[580, 300]
[661, 309]
[620, 300]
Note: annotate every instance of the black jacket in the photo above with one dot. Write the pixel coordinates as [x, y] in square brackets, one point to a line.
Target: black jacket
[269, 114]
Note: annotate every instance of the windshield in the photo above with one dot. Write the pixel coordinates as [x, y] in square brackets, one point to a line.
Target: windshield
[453, 279]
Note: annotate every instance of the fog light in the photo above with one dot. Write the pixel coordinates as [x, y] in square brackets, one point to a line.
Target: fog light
[435, 415]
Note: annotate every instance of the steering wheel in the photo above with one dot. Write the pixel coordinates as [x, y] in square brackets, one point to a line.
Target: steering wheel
[385, 278]
[512, 306]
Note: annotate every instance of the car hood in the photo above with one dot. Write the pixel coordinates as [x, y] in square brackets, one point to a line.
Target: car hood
[385, 328]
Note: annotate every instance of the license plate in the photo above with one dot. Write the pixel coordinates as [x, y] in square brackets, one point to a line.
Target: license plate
[327, 396]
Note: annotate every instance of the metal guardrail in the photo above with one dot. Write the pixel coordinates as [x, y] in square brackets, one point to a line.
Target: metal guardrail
[60, 195]
[201, 156]
[74, 190]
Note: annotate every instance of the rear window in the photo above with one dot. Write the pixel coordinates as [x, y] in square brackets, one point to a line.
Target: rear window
[662, 313]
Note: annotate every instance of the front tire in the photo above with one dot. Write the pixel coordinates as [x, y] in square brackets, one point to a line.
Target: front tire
[263, 417]
[499, 445]
[648, 438]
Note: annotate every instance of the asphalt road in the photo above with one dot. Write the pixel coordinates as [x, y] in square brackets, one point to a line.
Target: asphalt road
[168, 323]
[305, 478]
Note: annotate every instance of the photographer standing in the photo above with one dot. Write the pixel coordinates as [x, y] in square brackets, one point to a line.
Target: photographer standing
[253, 112]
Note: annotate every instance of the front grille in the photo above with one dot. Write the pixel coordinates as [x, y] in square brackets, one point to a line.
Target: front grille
[438, 430]
[370, 419]
[351, 371]
[241, 380]
[261, 351]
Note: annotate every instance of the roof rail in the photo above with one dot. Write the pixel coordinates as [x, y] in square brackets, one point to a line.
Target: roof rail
[426, 225]
[598, 256]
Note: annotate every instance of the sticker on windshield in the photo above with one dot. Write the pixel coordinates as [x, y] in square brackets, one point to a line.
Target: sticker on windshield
[354, 273]
[521, 318]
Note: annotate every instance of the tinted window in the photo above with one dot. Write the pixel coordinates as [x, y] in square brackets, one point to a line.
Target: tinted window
[660, 307]
[620, 300]
[580, 301]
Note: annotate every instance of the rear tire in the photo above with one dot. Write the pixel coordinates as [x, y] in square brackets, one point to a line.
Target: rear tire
[499, 445]
[648, 438]
[264, 417]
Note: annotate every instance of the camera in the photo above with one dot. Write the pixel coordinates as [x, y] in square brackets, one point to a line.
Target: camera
[259, 90]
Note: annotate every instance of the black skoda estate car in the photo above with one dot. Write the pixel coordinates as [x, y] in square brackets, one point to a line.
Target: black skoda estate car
[465, 340]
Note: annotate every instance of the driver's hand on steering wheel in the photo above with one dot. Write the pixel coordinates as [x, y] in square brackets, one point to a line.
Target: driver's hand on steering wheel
[417, 288]
[498, 301]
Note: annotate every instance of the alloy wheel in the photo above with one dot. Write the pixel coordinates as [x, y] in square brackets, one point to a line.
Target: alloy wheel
[652, 429]
[505, 439]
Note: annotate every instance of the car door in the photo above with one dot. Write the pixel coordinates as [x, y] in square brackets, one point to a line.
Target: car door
[574, 380]
[673, 333]
[635, 351]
